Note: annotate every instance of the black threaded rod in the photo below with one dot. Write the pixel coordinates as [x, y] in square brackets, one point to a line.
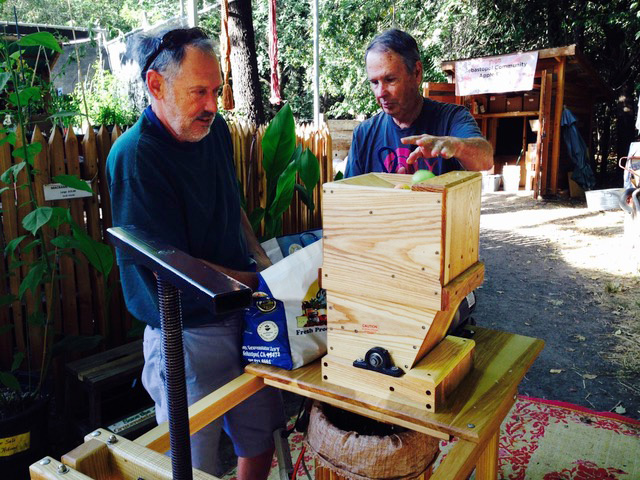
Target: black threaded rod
[173, 353]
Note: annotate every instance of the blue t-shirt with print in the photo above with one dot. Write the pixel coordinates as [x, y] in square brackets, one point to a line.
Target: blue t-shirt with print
[376, 145]
[184, 194]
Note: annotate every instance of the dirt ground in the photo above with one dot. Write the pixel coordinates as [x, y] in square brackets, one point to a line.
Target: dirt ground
[560, 272]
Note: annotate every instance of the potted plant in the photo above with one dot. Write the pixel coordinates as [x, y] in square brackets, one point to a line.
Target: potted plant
[50, 234]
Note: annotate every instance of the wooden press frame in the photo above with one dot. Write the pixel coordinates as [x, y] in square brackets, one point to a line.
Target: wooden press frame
[473, 414]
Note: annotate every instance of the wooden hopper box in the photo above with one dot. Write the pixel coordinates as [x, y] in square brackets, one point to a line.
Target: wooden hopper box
[397, 263]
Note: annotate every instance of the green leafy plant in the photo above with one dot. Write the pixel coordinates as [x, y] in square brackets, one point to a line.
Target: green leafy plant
[51, 231]
[283, 162]
[108, 99]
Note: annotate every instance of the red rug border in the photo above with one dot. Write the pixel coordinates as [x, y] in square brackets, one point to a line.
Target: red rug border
[581, 409]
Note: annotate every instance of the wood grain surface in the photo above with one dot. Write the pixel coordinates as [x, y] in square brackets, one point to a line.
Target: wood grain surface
[424, 387]
[474, 409]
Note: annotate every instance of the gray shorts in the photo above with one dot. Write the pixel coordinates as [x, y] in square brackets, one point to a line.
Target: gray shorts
[212, 359]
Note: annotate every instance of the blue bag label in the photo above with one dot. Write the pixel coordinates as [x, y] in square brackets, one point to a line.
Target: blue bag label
[265, 339]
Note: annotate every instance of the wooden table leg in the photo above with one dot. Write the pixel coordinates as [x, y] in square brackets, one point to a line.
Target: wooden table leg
[487, 466]
[459, 462]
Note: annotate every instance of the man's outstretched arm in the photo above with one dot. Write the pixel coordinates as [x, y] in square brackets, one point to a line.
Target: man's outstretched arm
[473, 153]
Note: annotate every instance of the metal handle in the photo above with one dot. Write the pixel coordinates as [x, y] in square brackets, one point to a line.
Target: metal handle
[177, 271]
[212, 289]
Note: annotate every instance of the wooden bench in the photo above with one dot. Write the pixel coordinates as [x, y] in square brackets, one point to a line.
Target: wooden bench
[109, 385]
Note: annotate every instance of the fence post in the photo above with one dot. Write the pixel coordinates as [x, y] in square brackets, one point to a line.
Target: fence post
[68, 323]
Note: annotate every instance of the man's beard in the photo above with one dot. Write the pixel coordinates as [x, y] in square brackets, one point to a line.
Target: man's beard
[192, 131]
[186, 127]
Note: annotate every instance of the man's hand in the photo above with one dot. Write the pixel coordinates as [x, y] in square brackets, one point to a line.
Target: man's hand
[473, 153]
[430, 146]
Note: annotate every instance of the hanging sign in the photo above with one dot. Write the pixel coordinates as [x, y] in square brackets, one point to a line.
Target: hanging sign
[506, 73]
[58, 191]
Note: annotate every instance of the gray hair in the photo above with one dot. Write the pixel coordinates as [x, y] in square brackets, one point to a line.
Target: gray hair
[397, 41]
[168, 60]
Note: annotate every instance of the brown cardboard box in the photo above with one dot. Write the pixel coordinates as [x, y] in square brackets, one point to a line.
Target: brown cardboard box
[514, 104]
[497, 103]
[531, 101]
[530, 156]
[530, 166]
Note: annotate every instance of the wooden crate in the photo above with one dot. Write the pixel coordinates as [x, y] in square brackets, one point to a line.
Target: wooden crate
[514, 104]
[397, 263]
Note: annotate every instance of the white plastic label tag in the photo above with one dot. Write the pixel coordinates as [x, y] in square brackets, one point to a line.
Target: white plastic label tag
[58, 191]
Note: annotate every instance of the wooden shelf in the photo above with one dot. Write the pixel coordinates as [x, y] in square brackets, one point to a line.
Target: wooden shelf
[507, 114]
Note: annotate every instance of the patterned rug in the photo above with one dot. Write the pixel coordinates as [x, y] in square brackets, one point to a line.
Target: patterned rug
[544, 440]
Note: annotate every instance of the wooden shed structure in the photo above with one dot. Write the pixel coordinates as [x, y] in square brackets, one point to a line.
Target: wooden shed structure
[527, 125]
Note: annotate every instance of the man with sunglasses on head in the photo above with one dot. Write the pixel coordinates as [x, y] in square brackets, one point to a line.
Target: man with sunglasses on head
[172, 176]
[411, 132]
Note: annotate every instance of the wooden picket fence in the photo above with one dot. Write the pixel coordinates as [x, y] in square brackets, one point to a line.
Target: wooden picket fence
[84, 308]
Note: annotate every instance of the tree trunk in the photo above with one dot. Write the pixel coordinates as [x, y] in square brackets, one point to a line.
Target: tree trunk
[244, 63]
[625, 119]
[604, 141]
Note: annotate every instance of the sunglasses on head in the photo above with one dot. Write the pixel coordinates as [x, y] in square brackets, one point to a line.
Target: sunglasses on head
[172, 40]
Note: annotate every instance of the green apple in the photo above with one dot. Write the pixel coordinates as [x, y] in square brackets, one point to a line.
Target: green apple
[421, 176]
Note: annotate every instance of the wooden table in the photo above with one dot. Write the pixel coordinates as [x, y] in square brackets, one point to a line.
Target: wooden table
[473, 414]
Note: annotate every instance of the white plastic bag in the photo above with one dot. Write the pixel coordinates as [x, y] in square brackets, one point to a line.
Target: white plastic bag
[287, 324]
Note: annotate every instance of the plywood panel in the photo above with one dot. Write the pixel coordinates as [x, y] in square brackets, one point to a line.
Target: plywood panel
[67, 282]
[83, 282]
[358, 324]
[92, 211]
[131, 460]
[383, 242]
[557, 120]
[10, 231]
[452, 295]
[462, 207]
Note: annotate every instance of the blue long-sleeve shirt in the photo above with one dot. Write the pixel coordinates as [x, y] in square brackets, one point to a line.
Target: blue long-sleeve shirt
[185, 194]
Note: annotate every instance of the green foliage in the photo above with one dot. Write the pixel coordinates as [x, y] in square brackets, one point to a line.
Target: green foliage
[73, 182]
[107, 98]
[40, 39]
[279, 142]
[346, 28]
[445, 30]
[123, 15]
[282, 162]
[607, 31]
[22, 91]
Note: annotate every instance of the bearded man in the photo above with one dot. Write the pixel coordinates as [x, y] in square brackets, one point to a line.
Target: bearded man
[172, 176]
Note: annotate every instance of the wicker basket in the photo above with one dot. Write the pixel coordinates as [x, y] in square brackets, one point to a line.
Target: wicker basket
[403, 454]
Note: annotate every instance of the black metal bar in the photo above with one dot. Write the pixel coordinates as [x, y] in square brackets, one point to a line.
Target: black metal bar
[177, 271]
[213, 289]
[173, 353]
